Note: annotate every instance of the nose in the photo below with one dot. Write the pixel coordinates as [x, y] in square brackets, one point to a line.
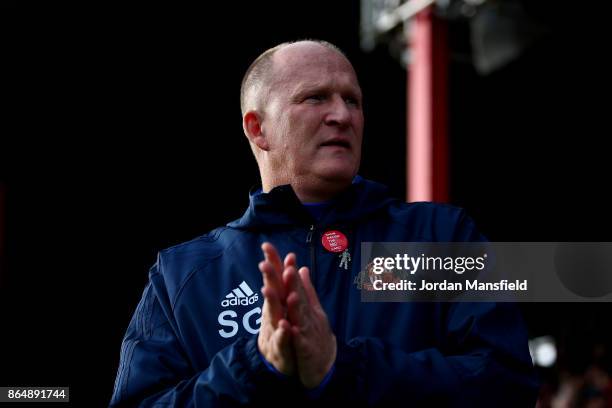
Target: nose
[339, 113]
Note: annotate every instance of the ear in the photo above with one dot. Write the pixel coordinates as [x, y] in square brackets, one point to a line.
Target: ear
[252, 125]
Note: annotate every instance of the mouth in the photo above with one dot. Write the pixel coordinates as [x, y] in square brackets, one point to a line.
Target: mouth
[336, 142]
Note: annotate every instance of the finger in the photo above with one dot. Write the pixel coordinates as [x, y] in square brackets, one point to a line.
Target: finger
[269, 275]
[290, 260]
[296, 335]
[269, 313]
[273, 308]
[271, 255]
[284, 324]
[270, 295]
[284, 334]
[297, 309]
[271, 279]
[311, 293]
[291, 280]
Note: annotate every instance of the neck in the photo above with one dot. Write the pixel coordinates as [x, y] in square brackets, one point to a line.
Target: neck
[309, 191]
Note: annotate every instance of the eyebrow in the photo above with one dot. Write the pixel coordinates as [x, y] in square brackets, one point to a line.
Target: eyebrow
[303, 90]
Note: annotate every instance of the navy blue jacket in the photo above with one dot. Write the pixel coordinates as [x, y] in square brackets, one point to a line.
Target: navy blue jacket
[192, 340]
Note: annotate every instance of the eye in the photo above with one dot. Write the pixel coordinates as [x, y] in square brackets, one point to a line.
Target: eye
[315, 98]
[352, 101]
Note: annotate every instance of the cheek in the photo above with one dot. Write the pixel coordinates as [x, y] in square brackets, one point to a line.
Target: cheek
[358, 123]
[278, 132]
[302, 129]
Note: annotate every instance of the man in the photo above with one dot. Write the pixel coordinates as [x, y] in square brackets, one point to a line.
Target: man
[203, 336]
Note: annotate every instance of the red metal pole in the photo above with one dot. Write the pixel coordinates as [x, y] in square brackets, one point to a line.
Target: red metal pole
[2, 210]
[427, 144]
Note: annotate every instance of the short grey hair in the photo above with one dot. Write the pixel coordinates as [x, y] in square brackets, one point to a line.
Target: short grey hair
[259, 72]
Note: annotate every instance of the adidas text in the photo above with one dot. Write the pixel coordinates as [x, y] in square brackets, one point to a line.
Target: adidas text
[240, 301]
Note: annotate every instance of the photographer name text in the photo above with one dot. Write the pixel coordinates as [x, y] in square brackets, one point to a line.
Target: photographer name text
[473, 285]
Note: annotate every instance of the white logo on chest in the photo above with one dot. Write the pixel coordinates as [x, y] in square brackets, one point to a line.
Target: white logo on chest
[240, 296]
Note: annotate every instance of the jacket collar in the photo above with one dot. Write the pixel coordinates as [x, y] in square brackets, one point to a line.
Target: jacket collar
[282, 207]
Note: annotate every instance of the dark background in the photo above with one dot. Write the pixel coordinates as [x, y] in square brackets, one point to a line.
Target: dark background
[121, 135]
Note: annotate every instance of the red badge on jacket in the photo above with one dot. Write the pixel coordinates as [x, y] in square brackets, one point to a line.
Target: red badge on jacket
[334, 241]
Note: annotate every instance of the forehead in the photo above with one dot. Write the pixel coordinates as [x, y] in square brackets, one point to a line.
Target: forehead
[310, 64]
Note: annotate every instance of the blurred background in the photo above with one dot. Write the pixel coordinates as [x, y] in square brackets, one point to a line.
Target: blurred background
[120, 135]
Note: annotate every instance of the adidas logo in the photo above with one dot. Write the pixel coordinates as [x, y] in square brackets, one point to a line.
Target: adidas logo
[242, 295]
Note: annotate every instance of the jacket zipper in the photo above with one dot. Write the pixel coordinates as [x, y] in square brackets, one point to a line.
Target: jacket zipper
[312, 253]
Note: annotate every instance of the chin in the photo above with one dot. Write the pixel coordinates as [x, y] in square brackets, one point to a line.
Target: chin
[340, 174]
